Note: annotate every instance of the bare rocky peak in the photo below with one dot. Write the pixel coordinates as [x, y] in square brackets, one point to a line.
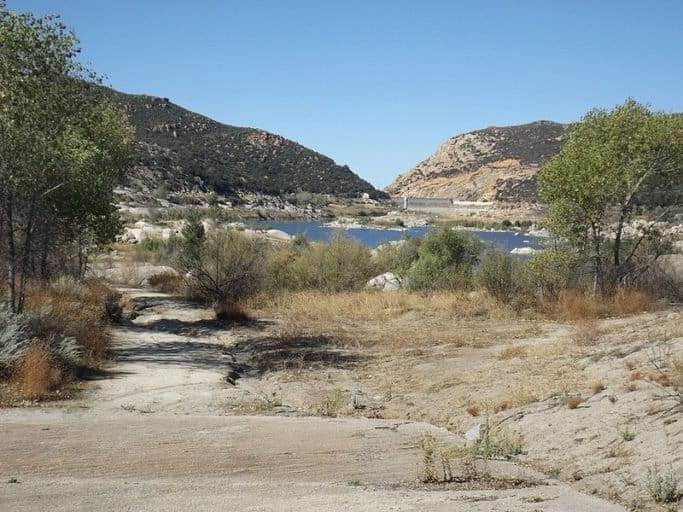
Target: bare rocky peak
[496, 163]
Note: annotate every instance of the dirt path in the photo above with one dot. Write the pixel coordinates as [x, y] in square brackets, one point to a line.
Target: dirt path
[154, 434]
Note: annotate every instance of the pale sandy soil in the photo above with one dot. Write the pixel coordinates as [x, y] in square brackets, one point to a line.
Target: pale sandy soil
[159, 431]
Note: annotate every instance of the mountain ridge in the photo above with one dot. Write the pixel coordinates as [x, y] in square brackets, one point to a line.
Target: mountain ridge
[497, 163]
[186, 151]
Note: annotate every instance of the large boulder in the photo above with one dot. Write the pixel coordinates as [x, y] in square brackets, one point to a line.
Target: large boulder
[387, 282]
[672, 265]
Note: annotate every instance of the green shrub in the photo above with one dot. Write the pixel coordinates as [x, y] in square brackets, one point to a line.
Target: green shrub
[445, 261]
[551, 272]
[228, 267]
[397, 257]
[341, 265]
[501, 275]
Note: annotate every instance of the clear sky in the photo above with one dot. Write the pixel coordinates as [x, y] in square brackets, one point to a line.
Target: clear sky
[379, 85]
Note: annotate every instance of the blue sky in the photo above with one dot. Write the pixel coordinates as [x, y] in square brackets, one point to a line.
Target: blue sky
[379, 85]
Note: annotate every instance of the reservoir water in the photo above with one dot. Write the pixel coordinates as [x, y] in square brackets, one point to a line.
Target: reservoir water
[370, 237]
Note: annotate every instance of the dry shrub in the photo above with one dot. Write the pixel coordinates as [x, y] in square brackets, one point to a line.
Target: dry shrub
[511, 352]
[522, 395]
[572, 402]
[228, 311]
[629, 364]
[676, 376]
[37, 373]
[166, 282]
[80, 310]
[501, 405]
[573, 306]
[597, 387]
[629, 302]
[630, 387]
[586, 332]
[473, 410]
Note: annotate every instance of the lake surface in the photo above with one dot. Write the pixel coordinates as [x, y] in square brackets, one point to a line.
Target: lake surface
[507, 240]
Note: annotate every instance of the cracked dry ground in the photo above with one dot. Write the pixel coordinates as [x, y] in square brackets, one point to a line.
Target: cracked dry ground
[163, 428]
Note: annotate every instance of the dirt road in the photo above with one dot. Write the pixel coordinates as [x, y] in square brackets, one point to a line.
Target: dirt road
[154, 434]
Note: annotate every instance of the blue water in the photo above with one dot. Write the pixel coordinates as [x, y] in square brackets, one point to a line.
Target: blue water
[507, 240]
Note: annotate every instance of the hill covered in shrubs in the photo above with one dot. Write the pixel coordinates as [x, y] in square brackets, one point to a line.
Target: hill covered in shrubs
[186, 151]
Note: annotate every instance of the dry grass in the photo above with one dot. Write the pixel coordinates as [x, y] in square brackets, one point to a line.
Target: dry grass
[37, 373]
[572, 402]
[371, 305]
[167, 282]
[512, 352]
[573, 306]
[501, 405]
[598, 386]
[473, 410]
[587, 332]
[80, 310]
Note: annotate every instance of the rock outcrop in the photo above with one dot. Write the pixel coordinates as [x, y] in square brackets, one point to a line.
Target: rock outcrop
[494, 164]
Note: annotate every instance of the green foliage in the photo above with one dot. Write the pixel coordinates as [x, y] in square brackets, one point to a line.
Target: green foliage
[193, 240]
[397, 257]
[613, 164]
[61, 152]
[445, 261]
[231, 266]
[341, 265]
[552, 271]
[502, 275]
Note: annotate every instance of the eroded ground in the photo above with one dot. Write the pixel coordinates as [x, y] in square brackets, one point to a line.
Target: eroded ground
[322, 404]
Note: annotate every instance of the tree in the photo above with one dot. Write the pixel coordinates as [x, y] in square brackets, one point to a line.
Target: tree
[62, 151]
[616, 165]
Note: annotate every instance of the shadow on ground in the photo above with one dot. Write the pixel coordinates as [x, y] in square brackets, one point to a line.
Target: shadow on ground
[272, 353]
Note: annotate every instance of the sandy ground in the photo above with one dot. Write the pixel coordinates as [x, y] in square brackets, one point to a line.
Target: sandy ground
[156, 432]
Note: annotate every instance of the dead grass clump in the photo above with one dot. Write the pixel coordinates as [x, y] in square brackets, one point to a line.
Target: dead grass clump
[586, 332]
[228, 311]
[167, 282]
[631, 387]
[37, 373]
[598, 386]
[572, 402]
[573, 306]
[629, 364]
[80, 310]
[371, 305]
[512, 352]
[501, 405]
[473, 410]
[523, 395]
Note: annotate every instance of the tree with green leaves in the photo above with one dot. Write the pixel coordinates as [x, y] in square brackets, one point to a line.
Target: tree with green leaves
[62, 151]
[616, 178]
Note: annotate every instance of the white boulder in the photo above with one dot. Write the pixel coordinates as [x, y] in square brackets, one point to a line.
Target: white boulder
[526, 251]
[387, 282]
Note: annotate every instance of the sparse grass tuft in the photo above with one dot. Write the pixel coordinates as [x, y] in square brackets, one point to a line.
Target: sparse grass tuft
[511, 352]
[473, 410]
[662, 487]
[572, 402]
[598, 386]
[167, 282]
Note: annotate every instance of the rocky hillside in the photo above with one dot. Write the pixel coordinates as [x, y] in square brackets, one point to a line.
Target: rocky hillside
[184, 151]
[494, 164]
